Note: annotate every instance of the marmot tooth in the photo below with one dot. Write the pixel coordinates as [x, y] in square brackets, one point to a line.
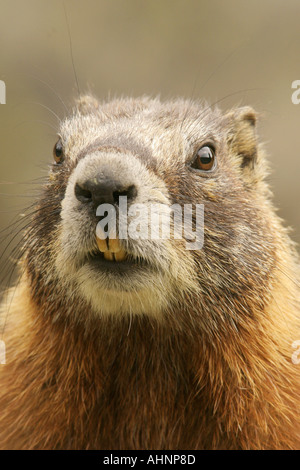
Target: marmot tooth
[114, 245]
[120, 255]
[108, 255]
[102, 245]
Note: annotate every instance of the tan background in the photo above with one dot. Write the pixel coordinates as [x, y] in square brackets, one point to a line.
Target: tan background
[235, 51]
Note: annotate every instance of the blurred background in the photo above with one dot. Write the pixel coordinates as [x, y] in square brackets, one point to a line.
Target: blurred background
[233, 52]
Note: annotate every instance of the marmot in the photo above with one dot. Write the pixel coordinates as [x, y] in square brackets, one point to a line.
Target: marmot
[163, 347]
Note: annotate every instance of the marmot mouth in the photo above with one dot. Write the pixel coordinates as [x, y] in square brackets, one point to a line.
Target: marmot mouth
[112, 257]
[108, 261]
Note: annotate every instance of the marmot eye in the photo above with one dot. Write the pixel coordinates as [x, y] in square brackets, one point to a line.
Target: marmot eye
[58, 152]
[204, 159]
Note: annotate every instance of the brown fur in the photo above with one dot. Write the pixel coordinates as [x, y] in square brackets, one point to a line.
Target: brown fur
[213, 370]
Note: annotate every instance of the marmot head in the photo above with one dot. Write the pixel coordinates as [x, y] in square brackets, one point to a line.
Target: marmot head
[156, 155]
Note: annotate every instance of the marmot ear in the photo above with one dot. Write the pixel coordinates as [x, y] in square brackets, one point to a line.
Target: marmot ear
[241, 136]
[87, 104]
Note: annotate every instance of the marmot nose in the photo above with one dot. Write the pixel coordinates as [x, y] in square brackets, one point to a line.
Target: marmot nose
[103, 192]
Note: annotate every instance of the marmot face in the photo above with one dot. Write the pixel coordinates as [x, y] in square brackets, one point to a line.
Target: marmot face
[154, 153]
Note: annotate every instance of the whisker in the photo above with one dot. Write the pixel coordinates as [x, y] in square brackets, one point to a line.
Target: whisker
[39, 104]
[58, 96]
[41, 178]
[71, 48]
[23, 228]
[27, 215]
[53, 90]
[35, 121]
[48, 109]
